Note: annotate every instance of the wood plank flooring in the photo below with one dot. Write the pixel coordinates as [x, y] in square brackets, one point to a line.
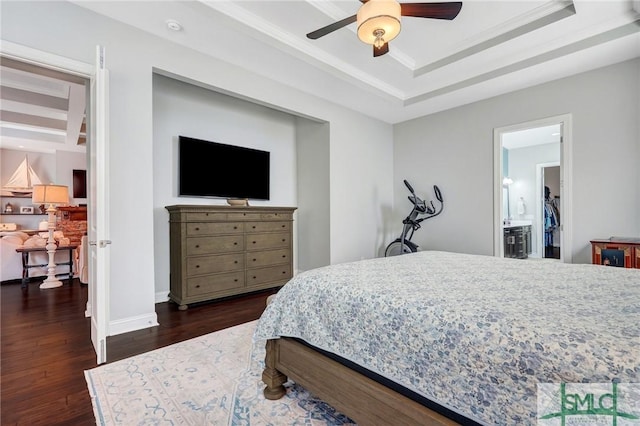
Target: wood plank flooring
[45, 347]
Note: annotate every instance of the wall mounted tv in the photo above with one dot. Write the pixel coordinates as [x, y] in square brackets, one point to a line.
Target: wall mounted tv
[211, 169]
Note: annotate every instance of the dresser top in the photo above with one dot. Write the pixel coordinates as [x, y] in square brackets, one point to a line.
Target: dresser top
[226, 209]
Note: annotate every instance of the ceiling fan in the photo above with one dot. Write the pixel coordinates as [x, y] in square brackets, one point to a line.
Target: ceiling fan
[379, 20]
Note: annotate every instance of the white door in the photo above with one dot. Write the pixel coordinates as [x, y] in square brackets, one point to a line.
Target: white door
[98, 206]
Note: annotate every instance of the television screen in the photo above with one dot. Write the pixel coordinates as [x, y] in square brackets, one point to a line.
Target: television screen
[211, 169]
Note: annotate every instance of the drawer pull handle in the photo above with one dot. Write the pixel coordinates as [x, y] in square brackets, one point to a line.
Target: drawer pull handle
[197, 245]
[197, 229]
[284, 272]
[254, 277]
[284, 255]
[235, 227]
[254, 227]
[283, 240]
[254, 242]
[283, 226]
[197, 266]
[235, 281]
[235, 244]
[254, 260]
[235, 261]
[198, 286]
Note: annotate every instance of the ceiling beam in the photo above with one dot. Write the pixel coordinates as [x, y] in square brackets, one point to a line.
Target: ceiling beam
[46, 72]
[32, 120]
[33, 98]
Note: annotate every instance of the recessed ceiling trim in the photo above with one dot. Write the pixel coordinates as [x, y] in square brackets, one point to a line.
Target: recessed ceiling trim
[551, 18]
[592, 41]
[252, 21]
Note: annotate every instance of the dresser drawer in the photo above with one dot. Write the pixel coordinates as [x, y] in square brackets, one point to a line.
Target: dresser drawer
[214, 283]
[267, 258]
[268, 226]
[244, 216]
[212, 264]
[214, 228]
[210, 245]
[205, 217]
[268, 241]
[260, 276]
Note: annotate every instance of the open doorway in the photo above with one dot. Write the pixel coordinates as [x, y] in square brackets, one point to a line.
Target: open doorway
[549, 192]
[529, 221]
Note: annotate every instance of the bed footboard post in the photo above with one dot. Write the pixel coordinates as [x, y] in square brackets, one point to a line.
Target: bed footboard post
[270, 376]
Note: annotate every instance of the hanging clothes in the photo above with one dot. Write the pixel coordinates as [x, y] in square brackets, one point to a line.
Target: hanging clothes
[550, 223]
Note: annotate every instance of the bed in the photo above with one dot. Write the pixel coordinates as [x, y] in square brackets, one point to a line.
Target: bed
[445, 338]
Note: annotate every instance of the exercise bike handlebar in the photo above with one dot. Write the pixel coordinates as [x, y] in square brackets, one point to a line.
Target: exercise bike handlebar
[409, 186]
[421, 207]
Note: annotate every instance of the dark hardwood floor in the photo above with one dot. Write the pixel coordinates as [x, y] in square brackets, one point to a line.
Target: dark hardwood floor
[46, 346]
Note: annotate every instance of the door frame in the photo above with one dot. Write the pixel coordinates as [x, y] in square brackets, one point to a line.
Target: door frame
[566, 172]
[68, 66]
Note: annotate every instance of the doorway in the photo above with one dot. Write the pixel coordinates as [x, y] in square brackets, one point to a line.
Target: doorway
[528, 157]
[87, 73]
[548, 188]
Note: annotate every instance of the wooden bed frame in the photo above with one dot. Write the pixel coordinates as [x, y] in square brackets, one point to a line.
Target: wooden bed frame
[362, 399]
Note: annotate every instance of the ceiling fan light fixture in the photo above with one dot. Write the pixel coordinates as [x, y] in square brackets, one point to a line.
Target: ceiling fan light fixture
[378, 18]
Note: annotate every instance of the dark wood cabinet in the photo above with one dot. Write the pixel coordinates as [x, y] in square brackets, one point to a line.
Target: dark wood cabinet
[517, 241]
[219, 251]
[622, 252]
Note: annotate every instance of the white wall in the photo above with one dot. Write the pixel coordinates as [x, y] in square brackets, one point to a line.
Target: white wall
[360, 147]
[454, 150]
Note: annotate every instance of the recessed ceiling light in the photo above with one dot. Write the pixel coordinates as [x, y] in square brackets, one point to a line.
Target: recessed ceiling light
[555, 134]
[173, 25]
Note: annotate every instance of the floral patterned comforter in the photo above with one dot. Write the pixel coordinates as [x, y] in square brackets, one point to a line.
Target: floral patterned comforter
[473, 333]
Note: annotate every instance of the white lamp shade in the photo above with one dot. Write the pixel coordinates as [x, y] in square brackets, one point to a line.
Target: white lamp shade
[378, 15]
[50, 194]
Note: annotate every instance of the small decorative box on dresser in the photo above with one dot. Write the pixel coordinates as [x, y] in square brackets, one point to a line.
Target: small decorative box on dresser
[616, 251]
[219, 251]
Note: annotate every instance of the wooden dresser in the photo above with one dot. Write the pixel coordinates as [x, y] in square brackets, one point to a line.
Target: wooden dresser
[616, 251]
[219, 251]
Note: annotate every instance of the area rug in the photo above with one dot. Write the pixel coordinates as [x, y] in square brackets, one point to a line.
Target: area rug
[210, 380]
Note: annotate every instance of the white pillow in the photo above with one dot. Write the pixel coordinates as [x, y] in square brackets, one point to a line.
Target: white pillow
[35, 241]
[13, 239]
[22, 235]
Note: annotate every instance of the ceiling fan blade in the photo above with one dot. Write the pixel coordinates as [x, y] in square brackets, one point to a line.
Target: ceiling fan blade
[331, 27]
[445, 10]
[379, 52]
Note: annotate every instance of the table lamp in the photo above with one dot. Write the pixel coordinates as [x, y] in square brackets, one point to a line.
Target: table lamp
[51, 195]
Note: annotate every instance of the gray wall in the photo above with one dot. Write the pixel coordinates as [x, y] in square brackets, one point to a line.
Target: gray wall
[454, 150]
[313, 243]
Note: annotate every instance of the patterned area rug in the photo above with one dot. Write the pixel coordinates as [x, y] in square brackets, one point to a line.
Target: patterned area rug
[210, 380]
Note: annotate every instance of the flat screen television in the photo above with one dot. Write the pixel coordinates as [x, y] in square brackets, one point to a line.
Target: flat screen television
[211, 169]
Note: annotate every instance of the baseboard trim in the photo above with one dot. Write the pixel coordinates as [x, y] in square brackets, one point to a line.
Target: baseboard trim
[132, 324]
[162, 296]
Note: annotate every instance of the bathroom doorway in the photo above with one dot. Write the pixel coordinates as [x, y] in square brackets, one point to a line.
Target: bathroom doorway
[528, 157]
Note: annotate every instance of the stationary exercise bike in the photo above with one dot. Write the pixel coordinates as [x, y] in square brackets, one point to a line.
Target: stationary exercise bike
[411, 223]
